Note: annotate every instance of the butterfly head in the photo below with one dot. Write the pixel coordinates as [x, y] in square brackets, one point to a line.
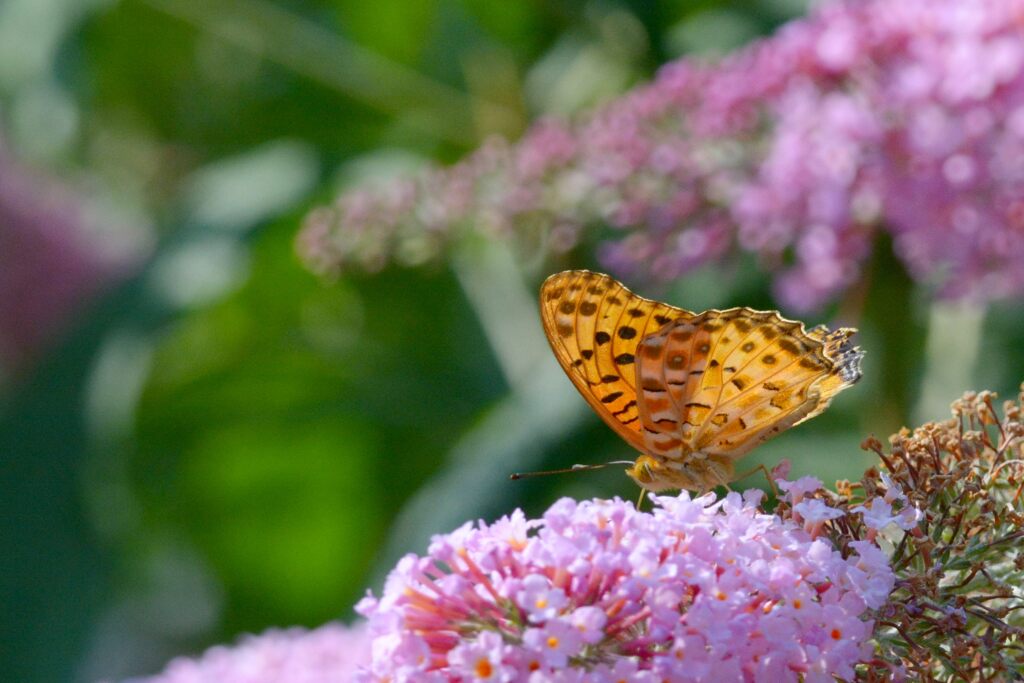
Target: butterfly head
[695, 473]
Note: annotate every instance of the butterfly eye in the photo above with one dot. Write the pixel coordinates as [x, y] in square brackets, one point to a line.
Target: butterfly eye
[646, 470]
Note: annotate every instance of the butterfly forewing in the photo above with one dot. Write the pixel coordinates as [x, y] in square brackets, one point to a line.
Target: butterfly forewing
[594, 325]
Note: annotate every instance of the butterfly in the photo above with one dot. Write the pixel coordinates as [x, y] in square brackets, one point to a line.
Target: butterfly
[693, 392]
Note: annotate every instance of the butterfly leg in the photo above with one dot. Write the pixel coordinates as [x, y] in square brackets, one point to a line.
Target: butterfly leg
[640, 500]
[710, 474]
[767, 476]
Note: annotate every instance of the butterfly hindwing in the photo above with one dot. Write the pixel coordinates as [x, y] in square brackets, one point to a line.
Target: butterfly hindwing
[846, 365]
[594, 325]
[672, 362]
[723, 381]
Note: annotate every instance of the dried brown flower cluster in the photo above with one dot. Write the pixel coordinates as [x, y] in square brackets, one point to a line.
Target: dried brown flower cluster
[946, 506]
[955, 611]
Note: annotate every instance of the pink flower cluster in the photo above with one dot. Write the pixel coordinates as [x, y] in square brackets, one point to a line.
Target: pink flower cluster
[697, 590]
[328, 654]
[879, 514]
[902, 115]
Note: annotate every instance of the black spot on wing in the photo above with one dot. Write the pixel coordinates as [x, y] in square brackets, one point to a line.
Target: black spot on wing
[676, 361]
[789, 346]
[631, 404]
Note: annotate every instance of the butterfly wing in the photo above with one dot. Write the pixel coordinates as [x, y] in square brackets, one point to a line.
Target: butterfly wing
[723, 381]
[846, 361]
[594, 325]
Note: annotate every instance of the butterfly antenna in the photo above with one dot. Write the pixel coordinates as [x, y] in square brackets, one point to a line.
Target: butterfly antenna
[575, 468]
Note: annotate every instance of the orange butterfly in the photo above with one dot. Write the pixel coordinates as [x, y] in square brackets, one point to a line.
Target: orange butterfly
[693, 392]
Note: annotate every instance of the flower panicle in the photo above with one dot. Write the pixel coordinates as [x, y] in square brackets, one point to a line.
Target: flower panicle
[597, 591]
[332, 652]
[865, 115]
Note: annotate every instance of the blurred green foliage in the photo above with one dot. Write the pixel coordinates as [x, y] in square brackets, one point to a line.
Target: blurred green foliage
[225, 443]
[280, 428]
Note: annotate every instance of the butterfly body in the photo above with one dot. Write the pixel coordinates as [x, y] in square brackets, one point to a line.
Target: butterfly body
[692, 391]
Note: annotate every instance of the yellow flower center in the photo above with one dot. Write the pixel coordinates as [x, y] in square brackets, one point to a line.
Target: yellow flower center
[552, 642]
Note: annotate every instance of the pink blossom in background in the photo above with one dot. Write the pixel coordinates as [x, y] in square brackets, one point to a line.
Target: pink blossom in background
[899, 115]
[697, 590]
[329, 654]
[49, 266]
